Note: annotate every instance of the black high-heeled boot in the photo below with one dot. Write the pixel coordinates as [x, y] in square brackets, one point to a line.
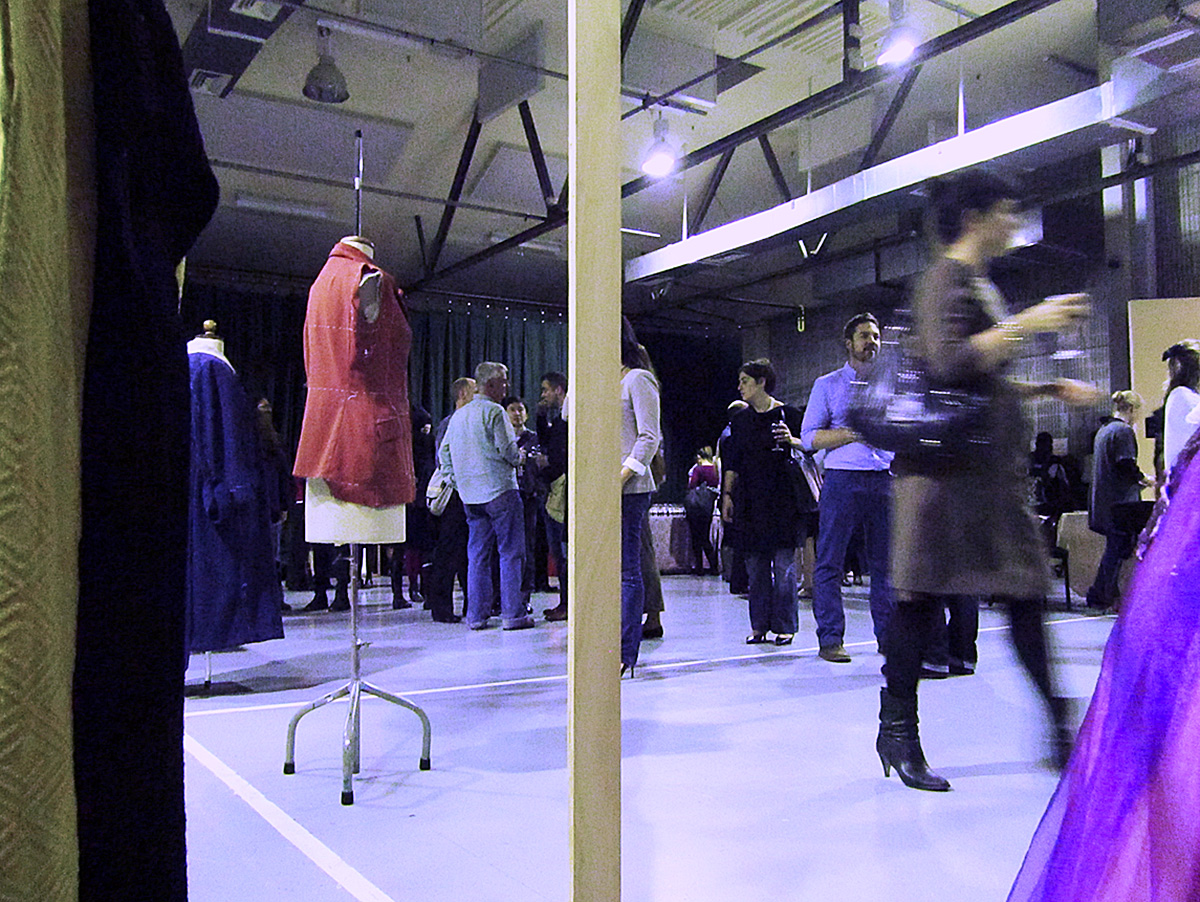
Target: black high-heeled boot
[899, 746]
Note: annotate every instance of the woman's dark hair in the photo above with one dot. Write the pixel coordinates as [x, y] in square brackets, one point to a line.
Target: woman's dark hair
[951, 196]
[633, 355]
[1186, 371]
[855, 322]
[760, 370]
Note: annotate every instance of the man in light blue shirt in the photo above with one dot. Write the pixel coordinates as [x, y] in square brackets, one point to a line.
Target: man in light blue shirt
[479, 455]
[856, 492]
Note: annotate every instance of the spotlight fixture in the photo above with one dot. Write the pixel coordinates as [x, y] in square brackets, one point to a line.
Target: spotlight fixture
[900, 42]
[325, 82]
[662, 156]
[898, 48]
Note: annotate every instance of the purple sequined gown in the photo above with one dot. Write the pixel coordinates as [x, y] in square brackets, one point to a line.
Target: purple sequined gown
[1124, 823]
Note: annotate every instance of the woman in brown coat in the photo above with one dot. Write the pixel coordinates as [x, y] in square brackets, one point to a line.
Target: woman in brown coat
[960, 529]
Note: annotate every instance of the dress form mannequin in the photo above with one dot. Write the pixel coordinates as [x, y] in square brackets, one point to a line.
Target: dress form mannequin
[331, 520]
[233, 592]
[355, 450]
[209, 343]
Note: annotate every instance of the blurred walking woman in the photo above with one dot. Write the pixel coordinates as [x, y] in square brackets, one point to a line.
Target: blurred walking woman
[961, 528]
[641, 436]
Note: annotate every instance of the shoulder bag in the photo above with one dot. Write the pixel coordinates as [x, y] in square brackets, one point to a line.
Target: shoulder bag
[899, 408]
[438, 493]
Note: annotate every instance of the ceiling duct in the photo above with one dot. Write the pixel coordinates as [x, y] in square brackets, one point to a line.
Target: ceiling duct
[1137, 100]
[448, 21]
[656, 64]
[502, 85]
[224, 40]
[1127, 23]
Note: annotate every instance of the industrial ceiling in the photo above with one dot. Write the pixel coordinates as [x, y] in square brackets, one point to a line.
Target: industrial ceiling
[774, 107]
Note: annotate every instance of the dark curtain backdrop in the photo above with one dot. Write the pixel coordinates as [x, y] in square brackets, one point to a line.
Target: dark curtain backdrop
[263, 331]
[699, 378]
[449, 345]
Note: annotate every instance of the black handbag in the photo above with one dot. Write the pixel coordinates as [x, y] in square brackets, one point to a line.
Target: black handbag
[804, 479]
[899, 408]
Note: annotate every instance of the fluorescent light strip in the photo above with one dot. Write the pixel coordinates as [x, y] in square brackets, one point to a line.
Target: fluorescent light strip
[279, 207]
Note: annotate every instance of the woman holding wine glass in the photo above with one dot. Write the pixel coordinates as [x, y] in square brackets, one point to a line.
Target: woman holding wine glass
[758, 497]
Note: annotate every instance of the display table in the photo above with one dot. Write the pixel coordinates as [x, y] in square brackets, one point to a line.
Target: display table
[672, 544]
[1086, 548]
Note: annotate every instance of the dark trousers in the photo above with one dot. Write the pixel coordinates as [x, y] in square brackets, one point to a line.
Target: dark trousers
[914, 622]
[699, 526]
[449, 559]
[1118, 546]
[556, 538]
[330, 562]
[773, 605]
[530, 505]
[652, 600]
[954, 641]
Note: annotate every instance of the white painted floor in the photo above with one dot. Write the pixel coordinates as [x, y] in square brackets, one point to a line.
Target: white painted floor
[748, 773]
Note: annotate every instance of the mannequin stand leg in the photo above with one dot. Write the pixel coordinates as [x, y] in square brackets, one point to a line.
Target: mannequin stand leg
[351, 735]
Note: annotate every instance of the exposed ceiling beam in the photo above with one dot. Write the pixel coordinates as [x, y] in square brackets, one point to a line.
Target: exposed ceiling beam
[549, 225]
[889, 118]
[710, 189]
[852, 61]
[1088, 119]
[460, 178]
[776, 170]
[812, 22]
[421, 244]
[535, 151]
[367, 189]
[1063, 193]
[844, 90]
[629, 25]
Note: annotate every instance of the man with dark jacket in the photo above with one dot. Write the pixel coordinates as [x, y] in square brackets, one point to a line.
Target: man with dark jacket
[450, 552]
[1116, 480]
[552, 436]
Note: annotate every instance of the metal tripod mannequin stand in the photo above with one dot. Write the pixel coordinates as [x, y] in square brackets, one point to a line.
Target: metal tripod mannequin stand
[351, 736]
[356, 688]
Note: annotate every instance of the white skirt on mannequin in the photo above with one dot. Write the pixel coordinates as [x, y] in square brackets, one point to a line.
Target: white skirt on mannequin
[328, 521]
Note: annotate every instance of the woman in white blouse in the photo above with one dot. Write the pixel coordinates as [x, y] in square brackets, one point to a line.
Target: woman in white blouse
[1183, 380]
[641, 435]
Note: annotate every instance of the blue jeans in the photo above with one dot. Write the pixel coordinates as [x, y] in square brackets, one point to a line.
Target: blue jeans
[634, 507]
[773, 591]
[850, 498]
[499, 522]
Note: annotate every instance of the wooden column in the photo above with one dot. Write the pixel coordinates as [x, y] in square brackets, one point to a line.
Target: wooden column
[594, 502]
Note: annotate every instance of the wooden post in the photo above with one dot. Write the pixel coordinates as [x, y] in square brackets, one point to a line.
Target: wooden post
[594, 499]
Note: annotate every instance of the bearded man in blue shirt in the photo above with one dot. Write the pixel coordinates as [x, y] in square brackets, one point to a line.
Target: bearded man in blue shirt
[856, 492]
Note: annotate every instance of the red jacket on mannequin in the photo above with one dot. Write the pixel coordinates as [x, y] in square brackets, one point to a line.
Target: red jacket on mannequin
[357, 434]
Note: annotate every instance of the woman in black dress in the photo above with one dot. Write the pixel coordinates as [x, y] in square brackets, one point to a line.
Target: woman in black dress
[758, 498]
